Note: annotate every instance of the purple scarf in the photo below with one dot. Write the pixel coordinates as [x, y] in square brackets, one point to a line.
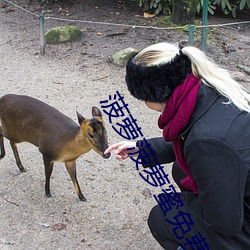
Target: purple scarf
[174, 119]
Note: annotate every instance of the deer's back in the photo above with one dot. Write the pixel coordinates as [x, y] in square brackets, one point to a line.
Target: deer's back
[24, 118]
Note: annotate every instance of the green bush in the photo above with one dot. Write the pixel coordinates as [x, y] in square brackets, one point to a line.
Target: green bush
[227, 6]
[231, 6]
[156, 6]
[211, 7]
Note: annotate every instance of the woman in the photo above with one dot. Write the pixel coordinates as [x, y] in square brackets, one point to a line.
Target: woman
[205, 118]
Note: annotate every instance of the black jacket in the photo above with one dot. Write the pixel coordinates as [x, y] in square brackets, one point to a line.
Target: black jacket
[216, 145]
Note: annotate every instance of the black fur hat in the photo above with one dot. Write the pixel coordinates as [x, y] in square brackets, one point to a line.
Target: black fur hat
[156, 83]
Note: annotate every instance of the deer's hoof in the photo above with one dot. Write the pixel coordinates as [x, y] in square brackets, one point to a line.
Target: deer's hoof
[82, 198]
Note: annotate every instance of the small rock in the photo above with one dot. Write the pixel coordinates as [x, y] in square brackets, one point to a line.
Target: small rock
[9, 243]
[244, 68]
[136, 201]
[121, 58]
[44, 225]
[146, 192]
[239, 76]
[62, 34]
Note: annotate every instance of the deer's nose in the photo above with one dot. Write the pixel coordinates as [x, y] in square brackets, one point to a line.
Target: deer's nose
[106, 156]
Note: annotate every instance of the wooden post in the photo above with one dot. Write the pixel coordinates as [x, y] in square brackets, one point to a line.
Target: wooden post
[191, 35]
[204, 23]
[2, 3]
[42, 31]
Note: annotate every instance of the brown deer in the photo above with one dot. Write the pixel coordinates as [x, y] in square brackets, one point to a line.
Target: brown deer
[59, 138]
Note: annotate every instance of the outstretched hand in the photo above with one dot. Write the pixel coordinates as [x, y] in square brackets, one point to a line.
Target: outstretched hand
[121, 149]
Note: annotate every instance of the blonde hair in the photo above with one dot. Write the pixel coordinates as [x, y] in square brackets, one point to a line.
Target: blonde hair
[203, 67]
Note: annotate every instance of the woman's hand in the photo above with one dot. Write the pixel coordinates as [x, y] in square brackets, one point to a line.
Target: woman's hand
[121, 149]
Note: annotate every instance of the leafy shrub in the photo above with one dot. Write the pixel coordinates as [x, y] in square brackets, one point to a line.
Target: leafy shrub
[165, 6]
[232, 6]
[157, 6]
[211, 7]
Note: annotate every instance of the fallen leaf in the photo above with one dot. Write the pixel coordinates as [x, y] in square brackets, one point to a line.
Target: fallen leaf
[58, 227]
[147, 15]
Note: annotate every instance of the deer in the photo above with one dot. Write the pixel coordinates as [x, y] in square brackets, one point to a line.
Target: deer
[58, 138]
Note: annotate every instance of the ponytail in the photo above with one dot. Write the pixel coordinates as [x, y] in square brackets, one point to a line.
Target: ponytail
[218, 78]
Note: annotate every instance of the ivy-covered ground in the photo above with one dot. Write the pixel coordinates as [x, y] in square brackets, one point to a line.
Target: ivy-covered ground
[77, 76]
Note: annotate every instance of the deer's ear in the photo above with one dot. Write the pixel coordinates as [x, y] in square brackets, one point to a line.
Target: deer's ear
[96, 111]
[80, 118]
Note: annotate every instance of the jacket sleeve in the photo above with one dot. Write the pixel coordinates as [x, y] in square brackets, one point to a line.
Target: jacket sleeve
[220, 173]
[163, 151]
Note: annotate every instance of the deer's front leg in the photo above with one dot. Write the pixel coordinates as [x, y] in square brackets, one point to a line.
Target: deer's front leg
[71, 168]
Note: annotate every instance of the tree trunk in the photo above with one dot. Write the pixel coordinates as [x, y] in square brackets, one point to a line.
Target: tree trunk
[183, 11]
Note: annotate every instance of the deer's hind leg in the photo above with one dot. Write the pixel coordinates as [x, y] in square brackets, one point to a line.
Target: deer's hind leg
[15, 151]
[1, 144]
[71, 168]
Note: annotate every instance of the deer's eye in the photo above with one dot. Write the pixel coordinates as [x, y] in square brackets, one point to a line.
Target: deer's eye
[91, 136]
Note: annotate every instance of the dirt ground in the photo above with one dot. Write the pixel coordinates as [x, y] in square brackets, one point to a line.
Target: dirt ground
[77, 76]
